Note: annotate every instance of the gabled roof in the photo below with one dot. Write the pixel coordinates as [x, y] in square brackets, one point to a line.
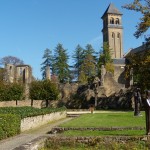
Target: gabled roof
[112, 10]
[141, 49]
[120, 61]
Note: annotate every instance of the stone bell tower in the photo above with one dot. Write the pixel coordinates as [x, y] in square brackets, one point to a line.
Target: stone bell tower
[113, 31]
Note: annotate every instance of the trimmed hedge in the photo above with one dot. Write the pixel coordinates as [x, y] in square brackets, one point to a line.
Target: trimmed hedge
[10, 118]
[43, 90]
[9, 125]
[24, 112]
[13, 91]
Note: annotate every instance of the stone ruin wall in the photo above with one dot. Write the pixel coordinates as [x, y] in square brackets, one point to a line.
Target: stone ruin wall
[16, 73]
[19, 73]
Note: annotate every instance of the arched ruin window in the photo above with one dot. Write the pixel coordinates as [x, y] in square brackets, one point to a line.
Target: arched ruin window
[117, 21]
[111, 20]
[21, 71]
[10, 69]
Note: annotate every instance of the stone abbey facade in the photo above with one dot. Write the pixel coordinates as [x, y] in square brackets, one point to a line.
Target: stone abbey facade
[18, 73]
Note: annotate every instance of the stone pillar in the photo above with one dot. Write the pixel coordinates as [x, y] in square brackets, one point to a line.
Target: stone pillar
[48, 76]
[131, 78]
[103, 72]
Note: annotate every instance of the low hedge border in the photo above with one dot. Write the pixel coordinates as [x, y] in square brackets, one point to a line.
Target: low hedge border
[62, 129]
[42, 141]
[9, 125]
[27, 111]
[10, 118]
[90, 140]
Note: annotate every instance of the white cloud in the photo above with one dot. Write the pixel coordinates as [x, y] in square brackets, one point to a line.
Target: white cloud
[96, 40]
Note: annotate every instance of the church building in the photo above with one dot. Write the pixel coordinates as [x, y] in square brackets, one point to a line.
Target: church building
[113, 34]
[113, 31]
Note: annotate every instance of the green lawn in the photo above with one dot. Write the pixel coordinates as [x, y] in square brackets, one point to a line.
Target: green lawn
[104, 133]
[126, 119]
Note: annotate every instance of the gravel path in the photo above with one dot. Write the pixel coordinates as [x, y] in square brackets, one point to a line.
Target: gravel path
[26, 137]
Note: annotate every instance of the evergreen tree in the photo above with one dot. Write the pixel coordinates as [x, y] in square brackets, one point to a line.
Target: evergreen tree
[78, 58]
[89, 50]
[61, 67]
[88, 66]
[48, 61]
[105, 58]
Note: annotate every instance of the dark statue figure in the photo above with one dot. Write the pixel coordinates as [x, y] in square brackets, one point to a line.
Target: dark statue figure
[147, 112]
[137, 101]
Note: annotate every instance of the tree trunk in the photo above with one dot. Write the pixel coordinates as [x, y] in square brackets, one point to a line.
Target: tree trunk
[46, 103]
[31, 102]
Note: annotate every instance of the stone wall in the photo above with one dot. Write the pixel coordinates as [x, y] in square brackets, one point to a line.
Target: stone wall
[119, 74]
[33, 122]
[36, 103]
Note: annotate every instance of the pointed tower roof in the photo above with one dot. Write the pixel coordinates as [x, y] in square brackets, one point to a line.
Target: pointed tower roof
[112, 10]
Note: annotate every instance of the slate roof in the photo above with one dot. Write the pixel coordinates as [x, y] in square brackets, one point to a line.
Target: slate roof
[112, 10]
[119, 61]
[139, 49]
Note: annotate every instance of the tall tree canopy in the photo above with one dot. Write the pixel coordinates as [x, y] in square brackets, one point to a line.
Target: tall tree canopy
[11, 60]
[78, 60]
[48, 61]
[142, 6]
[105, 58]
[61, 67]
[140, 62]
[89, 65]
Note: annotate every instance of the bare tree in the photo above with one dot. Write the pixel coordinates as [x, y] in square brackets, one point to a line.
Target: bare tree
[11, 60]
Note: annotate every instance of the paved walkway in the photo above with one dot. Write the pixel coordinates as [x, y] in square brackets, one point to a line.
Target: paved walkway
[25, 137]
[28, 136]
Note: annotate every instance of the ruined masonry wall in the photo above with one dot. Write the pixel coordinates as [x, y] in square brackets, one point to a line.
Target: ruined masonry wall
[37, 121]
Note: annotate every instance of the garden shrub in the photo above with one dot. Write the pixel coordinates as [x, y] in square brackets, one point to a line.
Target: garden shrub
[9, 125]
[13, 91]
[24, 112]
[44, 90]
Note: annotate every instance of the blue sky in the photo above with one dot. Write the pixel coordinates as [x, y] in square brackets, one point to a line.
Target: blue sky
[28, 27]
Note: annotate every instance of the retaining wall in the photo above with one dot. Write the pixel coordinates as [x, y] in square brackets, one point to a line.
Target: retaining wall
[36, 103]
[33, 122]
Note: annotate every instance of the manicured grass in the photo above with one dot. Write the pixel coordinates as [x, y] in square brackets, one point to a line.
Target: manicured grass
[126, 119]
[104, 133]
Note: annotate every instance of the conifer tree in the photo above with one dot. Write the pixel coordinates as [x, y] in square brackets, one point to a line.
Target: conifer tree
[48, 61]
[78, 59]
[105, 58]
[88, 66]
[61, 67]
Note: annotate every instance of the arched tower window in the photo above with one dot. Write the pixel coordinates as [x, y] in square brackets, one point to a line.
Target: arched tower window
[117, 21]
[113, 35]
[111, 20]
[118, 35]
